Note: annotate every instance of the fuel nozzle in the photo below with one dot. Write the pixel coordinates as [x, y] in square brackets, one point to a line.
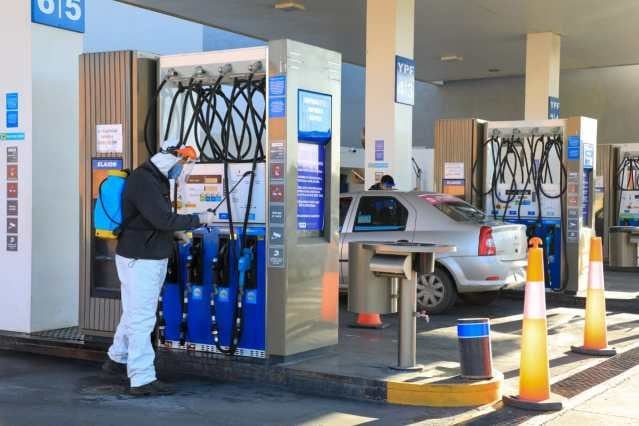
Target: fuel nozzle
[244, 264]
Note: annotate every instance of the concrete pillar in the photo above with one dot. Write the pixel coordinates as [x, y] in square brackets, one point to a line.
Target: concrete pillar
[390, 28]
[39, 156]
[542, 75]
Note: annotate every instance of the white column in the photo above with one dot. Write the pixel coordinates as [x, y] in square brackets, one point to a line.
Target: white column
[390, 28]
[542, 73]
[39, 226]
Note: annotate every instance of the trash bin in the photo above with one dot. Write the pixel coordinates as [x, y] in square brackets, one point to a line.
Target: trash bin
[475, 352]
[368, 292]
[622, 246]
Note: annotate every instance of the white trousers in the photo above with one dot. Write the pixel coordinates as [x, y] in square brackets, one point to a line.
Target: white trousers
[141, 282]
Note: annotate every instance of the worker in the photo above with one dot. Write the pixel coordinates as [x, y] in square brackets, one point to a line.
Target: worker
[145, 243]
[386, 184]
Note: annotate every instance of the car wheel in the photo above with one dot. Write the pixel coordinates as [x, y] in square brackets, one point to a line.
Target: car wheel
[479, 298]
[435, 292]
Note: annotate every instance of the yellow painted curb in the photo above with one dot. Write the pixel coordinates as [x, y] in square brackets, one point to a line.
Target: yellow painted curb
[434, 394]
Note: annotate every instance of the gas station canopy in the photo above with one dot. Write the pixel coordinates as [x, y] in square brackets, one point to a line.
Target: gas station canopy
[487, 34]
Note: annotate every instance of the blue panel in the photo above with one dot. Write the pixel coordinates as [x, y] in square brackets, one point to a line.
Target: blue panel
[314, 121]
[574, 147]
[277, 96]
[204, 249]
[172, 294]
[106, 164]
[11, 101]
[379, 150]
[474, 330]
[12, 119]
[310, 188]
[254, 307]
[554, 107]
[585, 207]
[404, 80]
[64, 14]
[549, 230]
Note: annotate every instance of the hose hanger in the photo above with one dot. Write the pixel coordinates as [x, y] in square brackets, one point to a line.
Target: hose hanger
[225, 122]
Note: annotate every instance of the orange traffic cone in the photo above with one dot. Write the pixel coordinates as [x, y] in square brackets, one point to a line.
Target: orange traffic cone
[369, 320]
[534, 370]
[595, 335]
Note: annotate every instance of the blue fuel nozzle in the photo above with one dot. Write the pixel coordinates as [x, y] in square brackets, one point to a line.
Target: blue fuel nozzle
[244, 264]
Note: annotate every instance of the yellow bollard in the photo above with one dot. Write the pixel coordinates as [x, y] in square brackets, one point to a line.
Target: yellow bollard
[534, 370]
[595, 333]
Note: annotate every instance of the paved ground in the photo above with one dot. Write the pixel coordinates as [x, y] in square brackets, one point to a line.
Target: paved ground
[367, 353]
[616, 406]
[622, 285]
[36, 390]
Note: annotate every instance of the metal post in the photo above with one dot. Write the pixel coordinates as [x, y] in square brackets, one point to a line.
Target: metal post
[406, 359]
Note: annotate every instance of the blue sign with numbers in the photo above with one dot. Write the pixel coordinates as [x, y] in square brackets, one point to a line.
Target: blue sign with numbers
[553, 107]
[64, 14]
[404, 80]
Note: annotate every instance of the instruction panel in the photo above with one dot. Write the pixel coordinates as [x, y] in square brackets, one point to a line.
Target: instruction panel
[203, 189]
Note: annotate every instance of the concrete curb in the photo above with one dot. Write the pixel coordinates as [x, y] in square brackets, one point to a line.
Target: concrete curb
[466, 393]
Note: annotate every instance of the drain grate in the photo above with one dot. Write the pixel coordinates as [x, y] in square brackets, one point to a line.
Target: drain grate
[69, 334]
[577, 383]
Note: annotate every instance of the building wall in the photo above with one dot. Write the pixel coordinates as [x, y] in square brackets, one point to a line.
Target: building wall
[56, 235]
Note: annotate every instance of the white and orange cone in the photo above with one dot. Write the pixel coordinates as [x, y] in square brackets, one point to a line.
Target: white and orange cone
[595, 332]
[534, 370]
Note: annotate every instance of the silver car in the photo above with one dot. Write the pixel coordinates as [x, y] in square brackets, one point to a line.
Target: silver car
[490, 255]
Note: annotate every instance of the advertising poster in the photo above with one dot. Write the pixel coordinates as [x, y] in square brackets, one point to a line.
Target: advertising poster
[310, 187]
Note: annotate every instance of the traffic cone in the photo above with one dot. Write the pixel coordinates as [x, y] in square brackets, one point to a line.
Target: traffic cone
[595, 335]
[369, 320]
[534, 369]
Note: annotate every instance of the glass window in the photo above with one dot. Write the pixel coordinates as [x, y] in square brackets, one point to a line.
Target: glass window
[380, 214]
[344, 204]
[454, 208]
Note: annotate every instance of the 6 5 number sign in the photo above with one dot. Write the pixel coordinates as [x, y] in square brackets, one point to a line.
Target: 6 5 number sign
[64, 14]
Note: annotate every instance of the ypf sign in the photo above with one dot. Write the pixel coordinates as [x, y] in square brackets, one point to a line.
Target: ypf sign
[404, 80]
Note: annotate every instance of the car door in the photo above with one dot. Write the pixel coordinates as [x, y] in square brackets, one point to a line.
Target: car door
[376, 217]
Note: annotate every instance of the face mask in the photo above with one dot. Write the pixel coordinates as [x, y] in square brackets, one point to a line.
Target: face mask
[175, 171]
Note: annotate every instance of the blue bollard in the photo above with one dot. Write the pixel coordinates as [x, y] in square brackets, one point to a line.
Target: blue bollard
[475, 353]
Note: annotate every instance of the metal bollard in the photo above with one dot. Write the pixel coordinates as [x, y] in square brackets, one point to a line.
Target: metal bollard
[475, 353]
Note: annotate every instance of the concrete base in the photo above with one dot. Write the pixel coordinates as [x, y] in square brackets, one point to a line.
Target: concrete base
[554, 403]
[451, 392]
[607, 352]
[409, 369]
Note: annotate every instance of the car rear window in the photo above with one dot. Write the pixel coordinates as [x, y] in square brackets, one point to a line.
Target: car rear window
[454, 208]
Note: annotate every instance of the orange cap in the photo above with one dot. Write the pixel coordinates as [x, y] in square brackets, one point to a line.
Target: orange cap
[187, 152]
[535, 270]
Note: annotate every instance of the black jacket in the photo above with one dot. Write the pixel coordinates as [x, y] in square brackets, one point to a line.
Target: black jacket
[148, 219]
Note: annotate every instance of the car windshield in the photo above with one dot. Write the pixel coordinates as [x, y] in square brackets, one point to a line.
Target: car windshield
[454, 208]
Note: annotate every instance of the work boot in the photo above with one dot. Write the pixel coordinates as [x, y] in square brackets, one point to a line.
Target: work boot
[114, 369]
[155, 388]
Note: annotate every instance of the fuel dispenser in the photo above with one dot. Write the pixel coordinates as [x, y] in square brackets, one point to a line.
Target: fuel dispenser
[540, 174]
[623, 236]
[263, 120]
[627, 187]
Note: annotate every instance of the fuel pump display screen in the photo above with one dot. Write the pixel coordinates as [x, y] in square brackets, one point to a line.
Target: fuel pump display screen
[314, 133]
